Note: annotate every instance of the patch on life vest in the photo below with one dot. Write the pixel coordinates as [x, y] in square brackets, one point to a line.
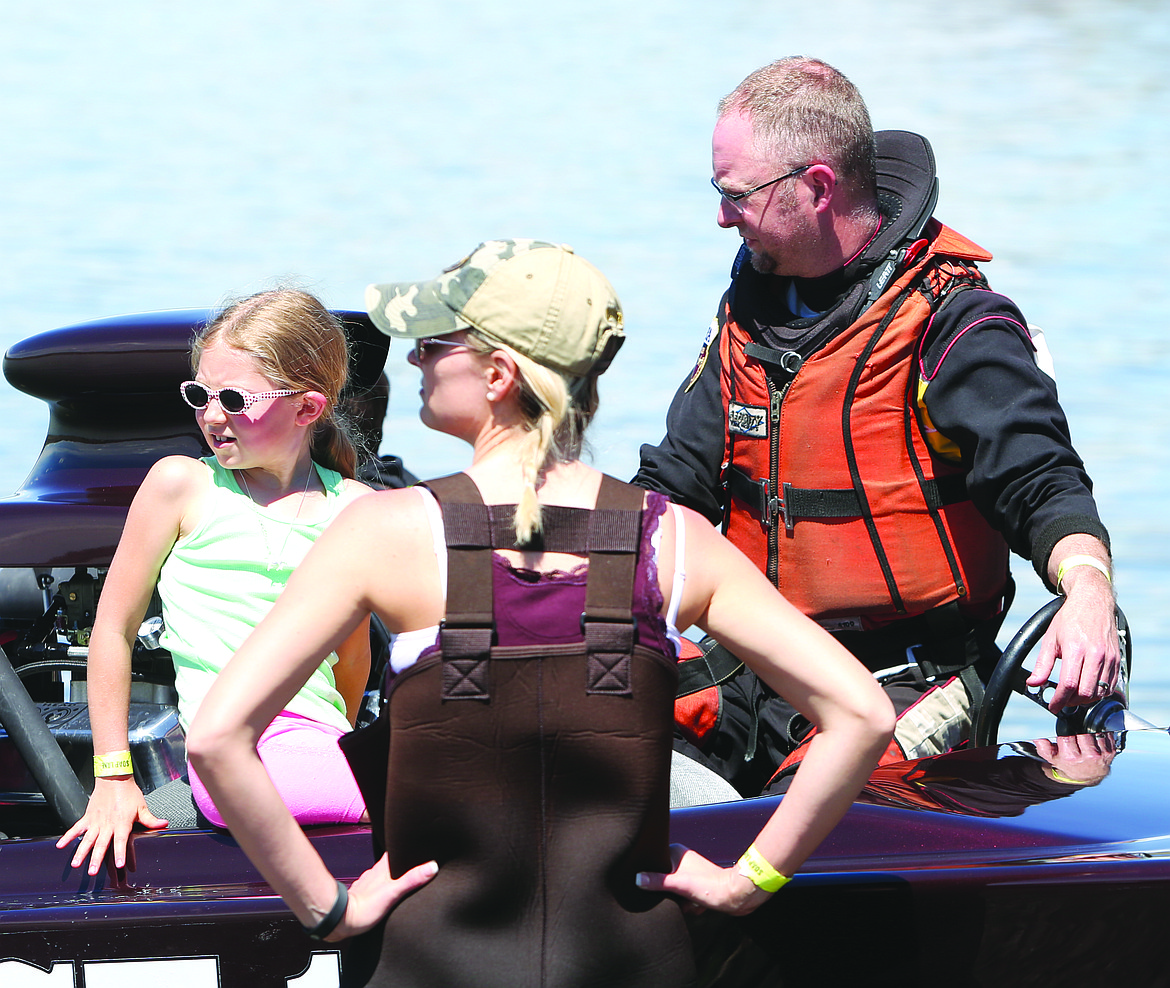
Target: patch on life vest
[747, 420]
[704, 353]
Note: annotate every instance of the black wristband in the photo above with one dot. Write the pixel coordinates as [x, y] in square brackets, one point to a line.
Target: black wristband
[333, 917]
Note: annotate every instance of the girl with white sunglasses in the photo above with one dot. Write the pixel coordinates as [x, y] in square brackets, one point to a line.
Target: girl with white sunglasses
[220, 537]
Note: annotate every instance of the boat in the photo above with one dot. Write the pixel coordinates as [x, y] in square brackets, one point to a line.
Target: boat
[1040, 861]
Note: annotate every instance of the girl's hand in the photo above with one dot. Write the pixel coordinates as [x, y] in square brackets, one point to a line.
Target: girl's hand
[114, 808]
[705, 885]
[375, 893]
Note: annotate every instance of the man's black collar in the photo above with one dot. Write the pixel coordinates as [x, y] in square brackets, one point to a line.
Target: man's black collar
[907, 192]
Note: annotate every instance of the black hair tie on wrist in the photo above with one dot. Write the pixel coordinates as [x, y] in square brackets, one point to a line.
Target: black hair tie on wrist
[333, 917]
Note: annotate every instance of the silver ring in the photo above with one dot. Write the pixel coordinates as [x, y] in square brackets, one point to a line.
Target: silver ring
[1103, 687]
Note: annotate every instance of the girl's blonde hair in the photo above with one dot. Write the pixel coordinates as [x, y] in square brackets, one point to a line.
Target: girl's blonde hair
[557, 409]
[300, 346]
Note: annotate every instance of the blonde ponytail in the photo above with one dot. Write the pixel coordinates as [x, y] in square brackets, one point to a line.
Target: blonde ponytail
[541, 444]
[556, 410]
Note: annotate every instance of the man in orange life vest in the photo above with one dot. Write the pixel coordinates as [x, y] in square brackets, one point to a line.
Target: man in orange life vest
[874, 427]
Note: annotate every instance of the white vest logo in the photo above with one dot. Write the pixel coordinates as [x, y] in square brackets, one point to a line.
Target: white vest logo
[747, 420]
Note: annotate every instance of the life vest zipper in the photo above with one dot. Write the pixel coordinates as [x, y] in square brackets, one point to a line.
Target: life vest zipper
[776, 506]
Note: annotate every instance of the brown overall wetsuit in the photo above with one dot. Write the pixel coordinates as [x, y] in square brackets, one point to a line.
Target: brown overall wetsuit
[536, 774]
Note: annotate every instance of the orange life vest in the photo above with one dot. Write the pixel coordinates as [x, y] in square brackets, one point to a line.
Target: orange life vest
[833, 487]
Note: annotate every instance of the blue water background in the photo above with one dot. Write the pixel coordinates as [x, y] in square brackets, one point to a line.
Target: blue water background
[163, 156]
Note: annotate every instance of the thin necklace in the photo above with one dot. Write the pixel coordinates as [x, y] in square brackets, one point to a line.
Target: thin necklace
[278, 562]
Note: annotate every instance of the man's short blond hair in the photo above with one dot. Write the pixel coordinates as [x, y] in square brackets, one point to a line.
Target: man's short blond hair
[803, 110]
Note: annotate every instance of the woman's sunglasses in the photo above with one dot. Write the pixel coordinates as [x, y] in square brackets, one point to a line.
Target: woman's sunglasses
[231, 400]
[431, 344]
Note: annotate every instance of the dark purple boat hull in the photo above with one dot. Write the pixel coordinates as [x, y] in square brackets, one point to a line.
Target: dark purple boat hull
[1070, 889]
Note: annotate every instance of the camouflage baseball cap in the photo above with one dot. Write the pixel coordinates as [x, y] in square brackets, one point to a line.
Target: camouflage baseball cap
[541, 299]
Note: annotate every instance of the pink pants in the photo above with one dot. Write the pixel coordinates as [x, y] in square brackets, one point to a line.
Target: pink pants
[308, 770]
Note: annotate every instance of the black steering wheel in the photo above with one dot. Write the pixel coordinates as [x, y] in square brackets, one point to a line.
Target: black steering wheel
[1009, 676]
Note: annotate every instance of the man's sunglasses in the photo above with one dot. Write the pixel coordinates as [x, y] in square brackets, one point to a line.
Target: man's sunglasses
[231, 400]
[735, 198]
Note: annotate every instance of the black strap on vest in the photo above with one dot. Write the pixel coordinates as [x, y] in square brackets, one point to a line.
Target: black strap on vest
[795, 503]
[610, 534]
[714, 666]
[782, 364]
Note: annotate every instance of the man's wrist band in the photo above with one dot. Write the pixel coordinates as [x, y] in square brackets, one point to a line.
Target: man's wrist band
[1074, 561]
[333, 917]
[115, 763]
[757, 870]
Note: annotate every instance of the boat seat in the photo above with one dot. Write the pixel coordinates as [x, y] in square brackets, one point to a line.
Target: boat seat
[692, 784]
[174, 803]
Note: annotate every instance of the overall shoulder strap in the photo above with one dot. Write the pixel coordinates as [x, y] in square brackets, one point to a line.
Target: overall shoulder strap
[608, 622]
[467, 630]
[611, 534]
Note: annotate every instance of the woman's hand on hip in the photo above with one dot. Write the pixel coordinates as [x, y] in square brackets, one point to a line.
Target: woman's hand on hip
[375, 893]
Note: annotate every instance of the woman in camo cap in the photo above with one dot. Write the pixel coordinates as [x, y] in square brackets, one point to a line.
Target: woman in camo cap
[518, 780]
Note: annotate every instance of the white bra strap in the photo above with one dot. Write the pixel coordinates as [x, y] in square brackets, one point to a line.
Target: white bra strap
[680, 573]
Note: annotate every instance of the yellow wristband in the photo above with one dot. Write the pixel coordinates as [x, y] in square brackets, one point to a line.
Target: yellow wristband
[115, 763]
[1058, 776]
[756, 869]
[1073, 561]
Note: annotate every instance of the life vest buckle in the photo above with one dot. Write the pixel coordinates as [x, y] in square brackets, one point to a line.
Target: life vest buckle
[775, 507]
[778, 507]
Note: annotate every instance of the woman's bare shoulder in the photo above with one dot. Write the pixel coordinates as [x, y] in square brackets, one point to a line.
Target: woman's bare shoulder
[387, 510]
[351, 488]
